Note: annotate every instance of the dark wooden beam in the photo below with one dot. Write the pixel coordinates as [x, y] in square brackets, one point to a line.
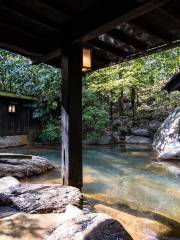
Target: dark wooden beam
[62, 7]
[46, 10]
[129, 40]
[27, 18]
[130, 15]
[71, 115]
[152, 30]
[54, 10]
[93, 32]
[169, 15]
[173, 9]
[27, 26]
[108, 48]
[20, 31]
[27, 42]
[17, 49]
[48, 57]
[148, 52]
[100, 58]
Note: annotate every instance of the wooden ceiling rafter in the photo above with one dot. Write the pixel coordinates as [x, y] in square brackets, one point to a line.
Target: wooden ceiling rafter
[152, 30]
[108, 47]
[27, 17]
[139, 11]
[43, 28]
[127, 39]
[47, 10]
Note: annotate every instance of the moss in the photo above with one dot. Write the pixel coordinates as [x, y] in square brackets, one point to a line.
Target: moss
[13, 95]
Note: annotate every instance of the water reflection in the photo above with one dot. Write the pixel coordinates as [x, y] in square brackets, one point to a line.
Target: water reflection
[124, 175]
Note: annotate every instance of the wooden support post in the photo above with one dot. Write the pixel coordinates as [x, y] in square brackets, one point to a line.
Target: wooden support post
[71, 114]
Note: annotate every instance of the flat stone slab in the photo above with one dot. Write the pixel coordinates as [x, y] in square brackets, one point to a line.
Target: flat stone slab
[71, 225]
[92, 226]
[14, 156]
[40, 198]
[24, 226]
[142, 227]
[21, 166]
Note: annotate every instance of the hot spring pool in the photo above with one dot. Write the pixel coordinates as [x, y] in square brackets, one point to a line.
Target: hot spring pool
[126, 177]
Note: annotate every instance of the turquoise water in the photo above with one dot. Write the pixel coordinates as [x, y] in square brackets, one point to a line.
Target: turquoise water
[125, 177]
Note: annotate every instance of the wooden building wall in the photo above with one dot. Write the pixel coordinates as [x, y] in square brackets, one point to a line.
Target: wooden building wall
[17, 123]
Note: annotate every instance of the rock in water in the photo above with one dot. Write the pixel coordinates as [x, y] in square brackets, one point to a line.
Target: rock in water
[141, 226]
[8, 184]
[90, 227]
[106, 138]
[41, 198]
[21, 166]
[143, 132]
[154, 125]
[137, 140]
[167, 139]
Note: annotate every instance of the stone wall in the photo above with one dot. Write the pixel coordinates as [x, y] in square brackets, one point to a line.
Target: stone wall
[13, 141]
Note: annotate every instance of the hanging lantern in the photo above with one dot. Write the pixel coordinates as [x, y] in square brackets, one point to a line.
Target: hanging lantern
[11, 108]
[87, 60]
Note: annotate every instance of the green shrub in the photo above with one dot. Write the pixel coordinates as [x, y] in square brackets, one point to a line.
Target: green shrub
[51, 132]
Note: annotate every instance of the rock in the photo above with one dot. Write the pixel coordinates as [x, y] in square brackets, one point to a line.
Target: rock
[106, 138]
[90, 227]
[117, 122]
[154, 125]
[137, 140]
[164, 168]
[7, 184]
[23, 226]
[171, 152]
[34, 226]
[7, 211]
[13, 141]
[167, 139]
[143, 132]
[41, 198]
[21, 166]
[141, 226]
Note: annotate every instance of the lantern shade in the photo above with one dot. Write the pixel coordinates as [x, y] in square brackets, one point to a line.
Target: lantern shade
[87, 62]
[11, 108]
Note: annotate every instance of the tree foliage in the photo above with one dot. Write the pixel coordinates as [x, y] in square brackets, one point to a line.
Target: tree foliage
[139, 81]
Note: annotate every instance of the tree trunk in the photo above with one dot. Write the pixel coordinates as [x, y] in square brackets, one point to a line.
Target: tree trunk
[111, 111]
[121, 104]
[133, 103]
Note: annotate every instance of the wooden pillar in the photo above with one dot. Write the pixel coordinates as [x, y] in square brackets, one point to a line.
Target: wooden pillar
[71, 113]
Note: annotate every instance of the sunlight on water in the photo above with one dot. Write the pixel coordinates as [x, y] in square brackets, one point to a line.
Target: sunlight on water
[127, 177]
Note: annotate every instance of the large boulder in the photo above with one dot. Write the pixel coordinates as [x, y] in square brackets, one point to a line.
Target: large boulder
[132, 139]
[140, 225]
[167, 139]
[143, 132]
[71, 225]
[106, 138]
[8, 184]
[21, 166]
[13, 141]
[41, 198]
[90, 227]
[25, 226]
